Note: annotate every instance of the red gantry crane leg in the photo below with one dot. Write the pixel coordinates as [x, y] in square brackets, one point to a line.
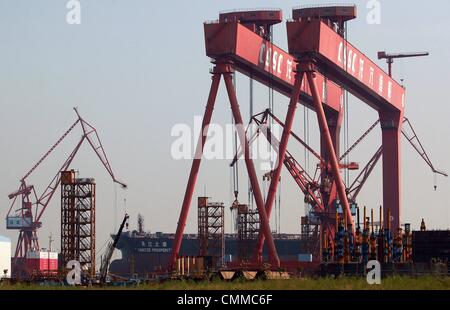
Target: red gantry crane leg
[281, 156]
[391, 131]
[325, 133]
[225, 69]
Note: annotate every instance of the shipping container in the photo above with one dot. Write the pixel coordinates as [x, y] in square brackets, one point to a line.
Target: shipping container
[42, 261]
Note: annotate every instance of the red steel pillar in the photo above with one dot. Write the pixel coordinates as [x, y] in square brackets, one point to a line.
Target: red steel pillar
[195, 167]
[225, 70]
[334, 121]
[391, 126]
[263, 214]
[325, 133]
[281, 156]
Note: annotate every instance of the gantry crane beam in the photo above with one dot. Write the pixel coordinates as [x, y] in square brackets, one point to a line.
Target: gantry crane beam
[344, 64]
[260, 59]
[340, 61]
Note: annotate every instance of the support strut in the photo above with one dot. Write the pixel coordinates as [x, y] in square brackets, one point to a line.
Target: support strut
[263, 214]
[391, 127]
[222, 68]
[281, 156]
[195, 167]
[325, 133]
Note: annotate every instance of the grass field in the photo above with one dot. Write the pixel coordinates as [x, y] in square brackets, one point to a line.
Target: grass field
[393, 283]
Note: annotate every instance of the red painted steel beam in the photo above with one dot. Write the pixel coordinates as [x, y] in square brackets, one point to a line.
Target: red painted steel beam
[329, 143]
[343, 63]
[391, 132]
[264, 215]
[281, 156]
[256, 57]
[222, 68]
[195, 168]
[361, 179]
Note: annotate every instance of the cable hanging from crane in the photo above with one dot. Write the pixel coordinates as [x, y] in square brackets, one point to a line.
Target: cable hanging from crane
[346, 116]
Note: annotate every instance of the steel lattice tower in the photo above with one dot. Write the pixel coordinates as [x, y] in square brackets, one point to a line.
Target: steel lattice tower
[211, 231]
[248, 229]
[78, 222]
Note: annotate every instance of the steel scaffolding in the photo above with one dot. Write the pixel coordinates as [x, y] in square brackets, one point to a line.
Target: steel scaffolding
[78, 222]
[248, 229]
[211, 231]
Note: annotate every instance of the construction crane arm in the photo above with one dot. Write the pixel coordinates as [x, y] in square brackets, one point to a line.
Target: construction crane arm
[47, 195]
[94, 140]
[384, 55]
[359, 182]
[410, 135]
[90, 134]
[110, 251]
[54, 146]
[413, 139]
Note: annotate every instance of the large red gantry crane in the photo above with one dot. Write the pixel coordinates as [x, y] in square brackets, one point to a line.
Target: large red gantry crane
[27, 219]
[239, 41]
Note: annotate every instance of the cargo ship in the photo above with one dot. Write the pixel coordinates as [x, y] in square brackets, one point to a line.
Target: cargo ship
[145, 254]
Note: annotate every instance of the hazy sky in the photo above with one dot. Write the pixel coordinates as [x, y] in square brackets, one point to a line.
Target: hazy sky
[135, 68]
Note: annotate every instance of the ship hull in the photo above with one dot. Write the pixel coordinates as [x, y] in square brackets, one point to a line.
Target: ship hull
[144, 256]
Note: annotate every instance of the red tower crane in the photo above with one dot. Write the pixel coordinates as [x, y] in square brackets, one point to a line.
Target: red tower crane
[390, 58]
[27, 218]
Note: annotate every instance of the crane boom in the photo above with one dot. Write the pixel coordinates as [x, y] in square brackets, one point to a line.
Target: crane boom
[54, 146]
[390, 57]
[94, 140]
[384, 55]
[110, 251]
[413, 139]
[26, 218]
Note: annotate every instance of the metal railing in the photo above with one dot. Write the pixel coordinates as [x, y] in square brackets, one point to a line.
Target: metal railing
[250, 10]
